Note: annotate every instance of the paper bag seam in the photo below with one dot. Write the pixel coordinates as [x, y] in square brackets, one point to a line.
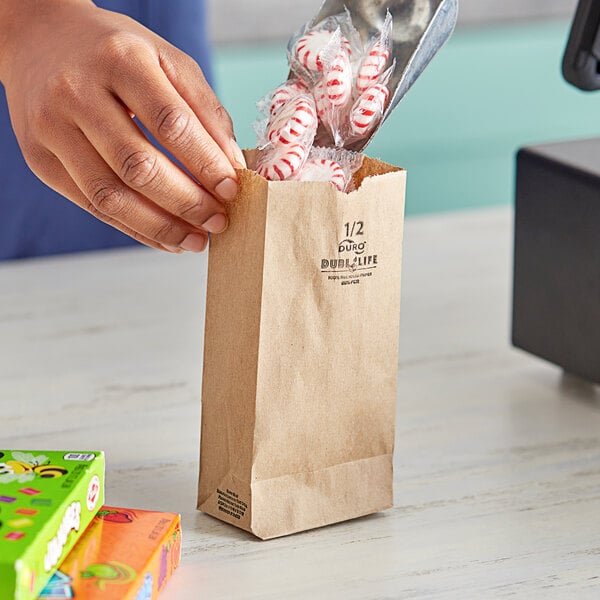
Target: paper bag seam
[315, 471]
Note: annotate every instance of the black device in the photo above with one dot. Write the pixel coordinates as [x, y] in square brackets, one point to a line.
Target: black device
[556, 293]
[581, 62]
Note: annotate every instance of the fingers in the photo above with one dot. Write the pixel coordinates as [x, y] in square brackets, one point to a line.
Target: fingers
[142, 168]
[86, 179]
[187, 78]
[61, 182]
[148, 93]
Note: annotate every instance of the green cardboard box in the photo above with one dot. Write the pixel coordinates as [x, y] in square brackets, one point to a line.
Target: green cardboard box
[47, 499]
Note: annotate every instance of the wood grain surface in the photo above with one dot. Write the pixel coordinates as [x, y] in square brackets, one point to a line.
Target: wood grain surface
[497, 470]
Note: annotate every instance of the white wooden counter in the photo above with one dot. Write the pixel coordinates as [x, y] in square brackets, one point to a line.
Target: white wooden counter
[498, 455]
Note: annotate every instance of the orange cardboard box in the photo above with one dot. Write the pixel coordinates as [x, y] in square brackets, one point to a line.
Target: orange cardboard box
[124, 554]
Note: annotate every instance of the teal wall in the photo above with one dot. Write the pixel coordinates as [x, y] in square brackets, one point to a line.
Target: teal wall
[487, 93]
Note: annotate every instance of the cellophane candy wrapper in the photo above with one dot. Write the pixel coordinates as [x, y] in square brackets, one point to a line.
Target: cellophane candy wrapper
[287, 135]
[339, 85]
[367, 110]
[334, 165]
[326, 56]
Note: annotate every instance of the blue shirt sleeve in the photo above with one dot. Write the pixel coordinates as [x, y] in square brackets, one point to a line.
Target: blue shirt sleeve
[34, 220]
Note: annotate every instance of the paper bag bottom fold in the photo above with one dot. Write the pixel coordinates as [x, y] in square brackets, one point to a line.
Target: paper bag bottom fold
[302, 501]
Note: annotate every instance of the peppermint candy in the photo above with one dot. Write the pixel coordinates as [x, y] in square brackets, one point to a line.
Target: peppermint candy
[368, 109]
[338, 79]
[295, 120]
[283, 163]
[372, 66]
[284, 93]
[311, 46]
[322, 169]
[309, 49]
[339, 83]
[322, 103]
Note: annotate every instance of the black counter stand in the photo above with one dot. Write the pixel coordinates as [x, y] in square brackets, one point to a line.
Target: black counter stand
[556, 296]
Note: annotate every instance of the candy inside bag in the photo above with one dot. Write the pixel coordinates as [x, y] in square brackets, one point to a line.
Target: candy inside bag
[281, 164]
[333, 165]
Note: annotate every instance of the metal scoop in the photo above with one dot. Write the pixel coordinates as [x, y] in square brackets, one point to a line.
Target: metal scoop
[420, 29]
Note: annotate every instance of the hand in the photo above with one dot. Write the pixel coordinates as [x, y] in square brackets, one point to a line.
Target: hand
[75, 75]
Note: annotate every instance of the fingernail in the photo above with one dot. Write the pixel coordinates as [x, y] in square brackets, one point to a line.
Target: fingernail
[238, 155]
[216, 224]
[173, 249]
[227, 189]
[194, 242]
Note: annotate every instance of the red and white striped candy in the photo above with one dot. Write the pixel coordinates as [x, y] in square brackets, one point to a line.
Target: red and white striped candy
[321, 100]
[372, 66]
[309, 49]
[283, 163]
[338, 79]
[322, 169]
[295, 121]
[368, 109]
[284, 93]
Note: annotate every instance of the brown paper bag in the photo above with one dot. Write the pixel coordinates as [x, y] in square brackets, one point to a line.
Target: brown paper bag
[300, 354]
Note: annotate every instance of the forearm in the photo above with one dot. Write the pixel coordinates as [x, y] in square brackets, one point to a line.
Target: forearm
[15, 16]
[10, 18]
